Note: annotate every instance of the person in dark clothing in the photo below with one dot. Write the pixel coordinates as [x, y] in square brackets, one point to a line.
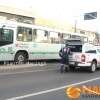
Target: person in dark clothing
[64, 54]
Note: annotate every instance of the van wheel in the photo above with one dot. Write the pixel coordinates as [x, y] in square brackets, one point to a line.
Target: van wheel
[20, 57]
[93, 67]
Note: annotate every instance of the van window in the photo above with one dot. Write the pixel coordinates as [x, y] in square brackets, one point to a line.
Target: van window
[76, 48]
[91, 51]
[98, 50]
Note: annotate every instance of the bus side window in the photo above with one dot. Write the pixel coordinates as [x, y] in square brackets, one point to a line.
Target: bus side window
[54, 37]
[47, 37]
[60, 37]
[20, 33]
[28, 34]
[46, 34]
[34, 34]
[42, 36]
[24, 34]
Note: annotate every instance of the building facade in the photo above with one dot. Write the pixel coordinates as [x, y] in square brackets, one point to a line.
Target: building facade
[15, 14]
[93, 37]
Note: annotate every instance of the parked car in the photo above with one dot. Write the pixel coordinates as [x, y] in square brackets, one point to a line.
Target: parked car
[85, 55]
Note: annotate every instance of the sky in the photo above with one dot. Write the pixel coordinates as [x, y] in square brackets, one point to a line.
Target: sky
[62, 10]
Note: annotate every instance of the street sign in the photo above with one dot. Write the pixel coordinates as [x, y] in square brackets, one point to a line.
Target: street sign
[90, 16]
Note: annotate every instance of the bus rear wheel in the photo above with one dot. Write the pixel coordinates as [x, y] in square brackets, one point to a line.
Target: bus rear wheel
[21, 57]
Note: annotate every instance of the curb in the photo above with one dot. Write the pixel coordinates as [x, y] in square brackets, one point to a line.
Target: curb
[21, 66]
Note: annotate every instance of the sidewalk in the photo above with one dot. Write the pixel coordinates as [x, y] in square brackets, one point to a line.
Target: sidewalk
[32, 66]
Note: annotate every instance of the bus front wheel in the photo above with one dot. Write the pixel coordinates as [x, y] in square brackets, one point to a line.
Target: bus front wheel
[21, 57]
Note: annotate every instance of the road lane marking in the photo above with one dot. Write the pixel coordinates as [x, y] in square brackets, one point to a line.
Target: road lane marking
[51, 90]
[26, 72]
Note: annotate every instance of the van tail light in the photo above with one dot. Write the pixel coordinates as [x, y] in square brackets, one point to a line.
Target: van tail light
[83, 58]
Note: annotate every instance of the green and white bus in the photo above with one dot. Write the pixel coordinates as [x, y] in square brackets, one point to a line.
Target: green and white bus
[21, 42]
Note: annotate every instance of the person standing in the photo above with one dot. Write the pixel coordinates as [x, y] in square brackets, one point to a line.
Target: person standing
[64, 54]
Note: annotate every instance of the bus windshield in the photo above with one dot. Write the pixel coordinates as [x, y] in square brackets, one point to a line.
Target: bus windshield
[6, 36]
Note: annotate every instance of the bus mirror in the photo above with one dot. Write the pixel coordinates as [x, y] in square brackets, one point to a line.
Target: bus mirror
[2, 29]
[2, 32]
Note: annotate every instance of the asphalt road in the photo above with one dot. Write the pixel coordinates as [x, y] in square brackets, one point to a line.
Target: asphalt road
[45, 84]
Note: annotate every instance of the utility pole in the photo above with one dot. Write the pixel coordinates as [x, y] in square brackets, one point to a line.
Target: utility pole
[75, 26]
